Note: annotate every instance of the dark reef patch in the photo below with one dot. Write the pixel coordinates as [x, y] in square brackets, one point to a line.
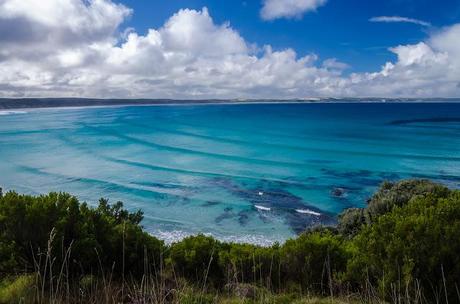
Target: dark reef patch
[243, 217]
[347, 174]
[423, 120]
[280, 202]
[161, 185]
[210, 203]
[265, 194]
[359, 177]
[227, 214]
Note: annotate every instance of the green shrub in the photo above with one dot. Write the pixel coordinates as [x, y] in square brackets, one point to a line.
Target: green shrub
[55, 224]
[245, 263]
[197, 259]
[351, 221]
[398, 194]
[414, 247]
[313, 259]
[387, 197]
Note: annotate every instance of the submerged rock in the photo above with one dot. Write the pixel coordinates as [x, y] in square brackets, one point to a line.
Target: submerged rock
[338, 192]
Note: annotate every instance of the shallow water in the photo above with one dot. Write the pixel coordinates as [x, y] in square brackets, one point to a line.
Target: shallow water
[257, 173]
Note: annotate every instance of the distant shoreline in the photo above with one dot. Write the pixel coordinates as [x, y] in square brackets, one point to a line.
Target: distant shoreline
[32, 103]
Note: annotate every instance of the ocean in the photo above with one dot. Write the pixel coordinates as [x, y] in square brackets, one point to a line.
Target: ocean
[258, 173]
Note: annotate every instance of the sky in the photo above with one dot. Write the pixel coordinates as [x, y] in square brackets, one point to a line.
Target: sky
[205, 49]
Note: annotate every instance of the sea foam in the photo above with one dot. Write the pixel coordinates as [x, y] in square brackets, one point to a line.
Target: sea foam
[262, 208]
[9, 112]
[308, 211]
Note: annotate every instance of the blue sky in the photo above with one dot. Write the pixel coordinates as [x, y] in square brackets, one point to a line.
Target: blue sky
[339, 29]
[197, 49]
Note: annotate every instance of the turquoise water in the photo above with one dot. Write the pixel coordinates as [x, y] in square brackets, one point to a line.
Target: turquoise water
[258, 173]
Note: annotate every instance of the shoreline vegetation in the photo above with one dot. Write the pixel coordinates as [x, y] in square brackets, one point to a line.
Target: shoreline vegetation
[31, 103]
[403, 247]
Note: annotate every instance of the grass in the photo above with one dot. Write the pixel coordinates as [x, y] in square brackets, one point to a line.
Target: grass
[22, 289]
[18, 289]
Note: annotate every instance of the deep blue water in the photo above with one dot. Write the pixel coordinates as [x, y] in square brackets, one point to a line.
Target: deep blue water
[257, 173]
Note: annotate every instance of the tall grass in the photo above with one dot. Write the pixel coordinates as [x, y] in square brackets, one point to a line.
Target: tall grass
[160, 284]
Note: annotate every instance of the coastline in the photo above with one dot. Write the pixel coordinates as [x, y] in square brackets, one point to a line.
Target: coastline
[44, 103]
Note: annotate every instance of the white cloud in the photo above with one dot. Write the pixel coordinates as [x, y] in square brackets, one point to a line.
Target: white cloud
[62, 21]
[274, 9]
[191, 56]
[334, 64]
[422, 70]
[399, 19]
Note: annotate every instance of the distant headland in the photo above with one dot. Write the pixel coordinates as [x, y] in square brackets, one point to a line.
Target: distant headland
[23, 103]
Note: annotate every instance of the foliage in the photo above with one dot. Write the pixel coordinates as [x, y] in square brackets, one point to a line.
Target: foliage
[58, 225]
[245, 263]
[387, 197]
[351, 221]
[313, 259]
[413, 247]
[398, 194]
[17, 289]
[405, 243]
[196, 258]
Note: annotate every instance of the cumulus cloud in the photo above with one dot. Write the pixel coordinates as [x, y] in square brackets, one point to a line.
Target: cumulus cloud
[334, 64]
[188, 57]
[429, 68]
[87, 53]
[274, 9]
[398, 19]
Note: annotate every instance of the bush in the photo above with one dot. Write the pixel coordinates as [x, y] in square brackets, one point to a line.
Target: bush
[56, 226]
[398, 194]
[351, 221]
[312, 260]
[387, 197]
[414, 247]
[245, 263]
[197, 259]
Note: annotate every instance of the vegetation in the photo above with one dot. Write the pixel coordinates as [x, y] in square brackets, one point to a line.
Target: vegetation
[402, 248]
